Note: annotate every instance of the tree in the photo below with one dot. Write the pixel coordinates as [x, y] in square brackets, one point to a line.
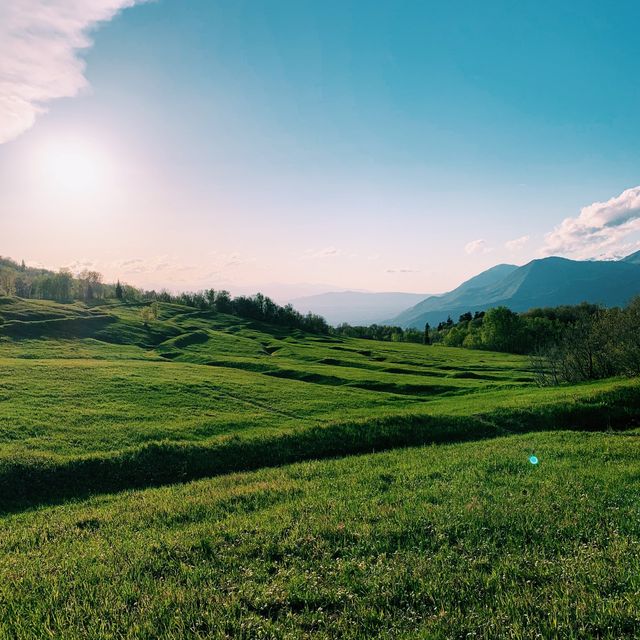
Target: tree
[210, 296]
[149, 313]
[626, 330]
[427, 338]
[119, 291]
[223, 302]
[23, 285]
[89, 285]
[502, 330]
[7, 281]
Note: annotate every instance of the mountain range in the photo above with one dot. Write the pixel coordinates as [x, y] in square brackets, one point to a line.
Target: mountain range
[357, 307]
[547, 282]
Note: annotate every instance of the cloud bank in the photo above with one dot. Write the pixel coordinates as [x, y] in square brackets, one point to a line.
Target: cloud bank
[517, 244]
[476, 246]
[600, 230]
[326, 252]
[40, 47]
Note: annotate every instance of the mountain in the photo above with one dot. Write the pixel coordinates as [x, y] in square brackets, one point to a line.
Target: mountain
[468, 292]
[547, 282]
[634, 258]
[356, 307]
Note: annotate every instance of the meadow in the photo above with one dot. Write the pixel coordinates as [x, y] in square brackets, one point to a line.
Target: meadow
[447, 541]
[137, 501]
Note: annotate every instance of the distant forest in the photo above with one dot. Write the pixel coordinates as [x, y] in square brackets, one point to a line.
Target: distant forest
[16, 279]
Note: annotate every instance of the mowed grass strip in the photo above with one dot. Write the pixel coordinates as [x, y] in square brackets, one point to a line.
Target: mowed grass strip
[453, 541]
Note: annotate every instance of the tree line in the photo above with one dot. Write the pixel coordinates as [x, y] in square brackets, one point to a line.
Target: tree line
[569, 343]
[383, 332]
[16, 279]
[257, 307]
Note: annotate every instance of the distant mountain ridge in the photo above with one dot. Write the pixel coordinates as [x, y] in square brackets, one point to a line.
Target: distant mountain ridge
[546, 282]
[357, 307]
[634, 258]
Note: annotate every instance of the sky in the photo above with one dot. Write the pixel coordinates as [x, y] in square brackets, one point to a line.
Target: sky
[295, 147]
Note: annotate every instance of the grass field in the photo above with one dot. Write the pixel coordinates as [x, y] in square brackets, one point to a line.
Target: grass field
[447, 541]
[92, 400]
[453, 540]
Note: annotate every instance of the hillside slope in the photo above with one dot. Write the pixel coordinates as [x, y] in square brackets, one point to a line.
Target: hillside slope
[92, 400]
[634, 258]
[464, 541]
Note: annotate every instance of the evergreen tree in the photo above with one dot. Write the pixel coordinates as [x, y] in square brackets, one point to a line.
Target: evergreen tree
[119, 291]
[427, 337]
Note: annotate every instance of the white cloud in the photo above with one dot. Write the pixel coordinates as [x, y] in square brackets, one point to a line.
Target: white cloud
[326, 252]
[477, 246]
[172, 268]
[40, 46]
[80, 265]
[600, 230]
[517, 244]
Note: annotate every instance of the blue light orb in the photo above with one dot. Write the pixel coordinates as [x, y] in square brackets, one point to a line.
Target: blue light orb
[533, 459]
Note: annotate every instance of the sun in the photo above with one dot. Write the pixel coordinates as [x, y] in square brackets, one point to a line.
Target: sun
[73, 167]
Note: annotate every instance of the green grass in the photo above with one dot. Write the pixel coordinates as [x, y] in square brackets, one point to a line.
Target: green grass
[450, 541]
[304, 532]
[91, 400]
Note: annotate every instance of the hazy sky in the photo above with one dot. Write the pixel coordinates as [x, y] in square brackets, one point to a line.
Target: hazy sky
[333, 144]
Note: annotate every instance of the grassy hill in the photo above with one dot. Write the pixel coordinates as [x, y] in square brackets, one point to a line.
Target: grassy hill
[94, 400]
[437, 541]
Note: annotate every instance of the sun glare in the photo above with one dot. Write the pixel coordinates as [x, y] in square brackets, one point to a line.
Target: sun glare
[73, 167]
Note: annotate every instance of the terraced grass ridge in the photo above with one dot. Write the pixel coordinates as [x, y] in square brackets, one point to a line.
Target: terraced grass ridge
[93, 400]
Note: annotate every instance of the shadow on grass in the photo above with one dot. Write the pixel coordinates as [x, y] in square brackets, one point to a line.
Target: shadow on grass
[41, 480]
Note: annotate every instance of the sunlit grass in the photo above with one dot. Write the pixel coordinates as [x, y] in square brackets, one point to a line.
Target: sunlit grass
[448, 541]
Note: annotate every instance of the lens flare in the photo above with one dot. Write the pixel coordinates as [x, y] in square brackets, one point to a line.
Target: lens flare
[533, 459]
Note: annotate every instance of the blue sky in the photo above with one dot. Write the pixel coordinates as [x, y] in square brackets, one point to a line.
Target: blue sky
[380, 146]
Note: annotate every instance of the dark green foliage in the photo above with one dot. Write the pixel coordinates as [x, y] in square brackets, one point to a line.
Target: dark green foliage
[595, 345]
[566, 344]
[385, 333]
